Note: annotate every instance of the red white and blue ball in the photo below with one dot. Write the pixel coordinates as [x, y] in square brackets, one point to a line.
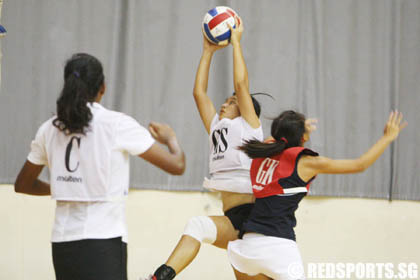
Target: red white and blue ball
[215, 24]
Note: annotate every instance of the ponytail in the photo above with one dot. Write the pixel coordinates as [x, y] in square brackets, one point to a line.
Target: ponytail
[287, 130]
[258, 149]
[257, 106]
[73, 115]
[256, 103]
[83, 78]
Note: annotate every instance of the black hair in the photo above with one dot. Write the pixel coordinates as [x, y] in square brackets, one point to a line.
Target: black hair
[83, 78]
[255, 102]
[287, 130]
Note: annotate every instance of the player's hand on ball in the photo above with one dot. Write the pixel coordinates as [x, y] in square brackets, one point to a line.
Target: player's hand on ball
[236, 33]
[161, 132]
[394, 125]
[207, 46]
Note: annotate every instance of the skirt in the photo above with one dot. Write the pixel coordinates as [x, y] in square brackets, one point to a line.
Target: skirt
[275, 257]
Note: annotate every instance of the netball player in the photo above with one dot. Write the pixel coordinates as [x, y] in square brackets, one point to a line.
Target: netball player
[86, 148]
[281, 173]
[229, 168]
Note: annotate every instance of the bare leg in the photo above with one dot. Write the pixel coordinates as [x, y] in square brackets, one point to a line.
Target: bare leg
[225, 231]
[184, 253]
[243, 276]
[188, 247]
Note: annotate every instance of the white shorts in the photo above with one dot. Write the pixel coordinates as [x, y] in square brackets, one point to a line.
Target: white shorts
[275, 257]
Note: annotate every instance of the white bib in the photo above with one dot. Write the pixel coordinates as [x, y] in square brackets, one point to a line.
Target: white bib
[225, 137]
[95, 166]
[229, 167]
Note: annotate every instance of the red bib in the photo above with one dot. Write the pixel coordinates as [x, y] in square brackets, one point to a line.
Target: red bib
[278, 174]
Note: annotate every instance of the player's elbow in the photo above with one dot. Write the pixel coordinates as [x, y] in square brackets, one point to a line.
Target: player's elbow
[179, 170]
[240, 85]
[19, 186]
[179, 167]
[198, 93]
[359, 166]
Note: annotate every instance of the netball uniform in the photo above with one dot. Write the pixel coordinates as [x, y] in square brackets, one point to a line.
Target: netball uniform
[269, 246]
[229, 167]
[89, 178]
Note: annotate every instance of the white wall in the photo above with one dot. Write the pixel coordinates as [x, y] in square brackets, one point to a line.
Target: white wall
[329, 230]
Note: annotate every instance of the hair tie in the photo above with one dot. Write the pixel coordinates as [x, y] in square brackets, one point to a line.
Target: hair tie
[285, 140]
[77, 74]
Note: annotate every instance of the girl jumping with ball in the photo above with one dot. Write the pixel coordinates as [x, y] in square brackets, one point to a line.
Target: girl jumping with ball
[237, 121]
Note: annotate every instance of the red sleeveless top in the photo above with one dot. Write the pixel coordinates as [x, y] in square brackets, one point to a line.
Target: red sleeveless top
[278, 174]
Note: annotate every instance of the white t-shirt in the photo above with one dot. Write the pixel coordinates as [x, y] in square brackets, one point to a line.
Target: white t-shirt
[229, 167]
[89, 174]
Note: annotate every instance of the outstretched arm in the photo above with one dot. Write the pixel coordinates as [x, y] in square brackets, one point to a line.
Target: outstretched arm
[204, 105]
[240, 77]
[310, 166]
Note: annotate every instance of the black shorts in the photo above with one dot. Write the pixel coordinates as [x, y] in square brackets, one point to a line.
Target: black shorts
[239, 214]
[90, 259]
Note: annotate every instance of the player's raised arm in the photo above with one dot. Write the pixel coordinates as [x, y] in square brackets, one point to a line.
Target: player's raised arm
[316, 165]
[204, 104]
[240, 77]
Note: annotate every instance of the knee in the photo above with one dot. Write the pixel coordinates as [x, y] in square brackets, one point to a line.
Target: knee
[201, 228]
